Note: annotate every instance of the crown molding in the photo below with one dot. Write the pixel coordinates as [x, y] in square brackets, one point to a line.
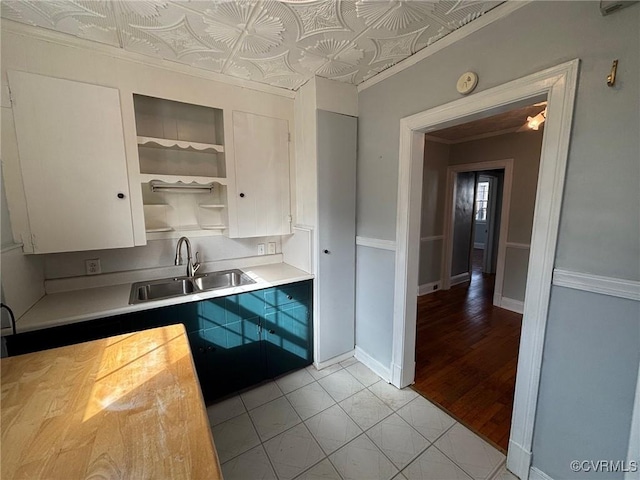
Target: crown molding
[498, 13]
[9, 26]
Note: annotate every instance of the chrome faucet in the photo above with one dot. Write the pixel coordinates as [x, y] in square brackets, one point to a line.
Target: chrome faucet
[191, 267]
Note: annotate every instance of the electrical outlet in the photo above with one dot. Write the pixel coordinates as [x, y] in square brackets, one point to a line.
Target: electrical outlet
[271, 248]
[261, 249]
[92, 266]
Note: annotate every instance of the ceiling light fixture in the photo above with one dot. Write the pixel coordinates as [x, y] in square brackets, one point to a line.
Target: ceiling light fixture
[534, 122]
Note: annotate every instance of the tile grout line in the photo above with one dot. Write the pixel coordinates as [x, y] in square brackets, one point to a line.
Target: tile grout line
[362, 431]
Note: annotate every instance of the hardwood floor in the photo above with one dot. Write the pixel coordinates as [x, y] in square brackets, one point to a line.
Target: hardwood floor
[466, 355]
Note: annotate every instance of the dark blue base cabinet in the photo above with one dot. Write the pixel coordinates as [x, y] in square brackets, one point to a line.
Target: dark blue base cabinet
[243, 339]
[237, 341]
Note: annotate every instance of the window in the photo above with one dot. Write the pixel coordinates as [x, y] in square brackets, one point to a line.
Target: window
[482, 200]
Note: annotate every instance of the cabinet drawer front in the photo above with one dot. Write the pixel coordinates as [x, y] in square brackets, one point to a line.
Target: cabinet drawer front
[286, 295]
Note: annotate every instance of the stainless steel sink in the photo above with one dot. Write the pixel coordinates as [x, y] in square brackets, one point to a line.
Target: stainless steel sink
[228, 278]
[179, 286]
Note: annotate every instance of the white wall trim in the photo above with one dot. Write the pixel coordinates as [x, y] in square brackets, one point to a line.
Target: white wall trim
[488, 18]
[432, 238]
[522, 246]
[427, 288]
[334, 360]
[376, 243]
[460, 278]
[535, 474]
[375, 366]
[558, 85]
[112, 51]
[519, 459]
[615, 287]
[510, 304]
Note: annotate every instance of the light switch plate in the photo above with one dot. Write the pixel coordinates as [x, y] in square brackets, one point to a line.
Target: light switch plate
[92, 266]
[261, 249]
[271, 248]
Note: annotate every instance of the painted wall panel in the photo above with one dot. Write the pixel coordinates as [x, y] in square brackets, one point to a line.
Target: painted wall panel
[586, 391]
[430, 261]
[516, 262]
[374, 300]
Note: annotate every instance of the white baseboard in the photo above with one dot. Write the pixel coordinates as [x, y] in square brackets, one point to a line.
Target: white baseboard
[428, 288]
[518, 460]
[375, 366]
[334, 360]
[511, 304]
[460, 278]
[535, 474]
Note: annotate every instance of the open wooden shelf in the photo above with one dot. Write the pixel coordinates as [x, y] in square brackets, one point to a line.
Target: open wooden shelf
[147, 177]
[167, 143]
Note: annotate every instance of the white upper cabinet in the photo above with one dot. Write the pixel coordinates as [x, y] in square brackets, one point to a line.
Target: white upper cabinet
[73, 163]
[262, 205]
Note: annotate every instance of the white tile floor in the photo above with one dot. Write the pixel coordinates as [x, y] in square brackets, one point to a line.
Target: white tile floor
[345, 423]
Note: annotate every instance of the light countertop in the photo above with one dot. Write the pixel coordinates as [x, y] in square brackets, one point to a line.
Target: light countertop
[63, 308]
[127, 406]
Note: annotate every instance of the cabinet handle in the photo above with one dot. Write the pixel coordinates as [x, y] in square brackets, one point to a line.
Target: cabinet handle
[242, 195]
[289, 297]
[327, 252]
[211, 349]
[201, 349]
[272, 332]
[121, 195]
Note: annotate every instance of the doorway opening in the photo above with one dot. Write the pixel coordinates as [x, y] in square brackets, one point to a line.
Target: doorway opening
[468, 328]
[557, 85]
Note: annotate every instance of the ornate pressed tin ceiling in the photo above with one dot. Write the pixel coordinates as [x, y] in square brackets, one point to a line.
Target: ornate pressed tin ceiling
[281, 43]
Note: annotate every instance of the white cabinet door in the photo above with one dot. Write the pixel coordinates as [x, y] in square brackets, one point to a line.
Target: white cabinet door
[261, 146]
[72, 157]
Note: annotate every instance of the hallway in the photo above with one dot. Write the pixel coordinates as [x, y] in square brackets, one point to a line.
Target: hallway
[466, 355]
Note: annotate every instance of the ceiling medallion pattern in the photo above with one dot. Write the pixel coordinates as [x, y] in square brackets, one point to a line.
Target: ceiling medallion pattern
[319, 17]
[179, 37]
[281, 43]
[396, 47]
[237, 24]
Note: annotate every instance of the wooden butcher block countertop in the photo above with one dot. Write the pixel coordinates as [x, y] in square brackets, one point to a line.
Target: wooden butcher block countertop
[125, 407]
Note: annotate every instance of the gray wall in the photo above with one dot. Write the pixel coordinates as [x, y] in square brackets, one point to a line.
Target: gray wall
[599, 228]
[588, 382]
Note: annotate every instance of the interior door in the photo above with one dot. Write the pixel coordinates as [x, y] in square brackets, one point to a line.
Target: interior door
[337, 137]
[74, 168]
[261, 147]
[463, 223]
